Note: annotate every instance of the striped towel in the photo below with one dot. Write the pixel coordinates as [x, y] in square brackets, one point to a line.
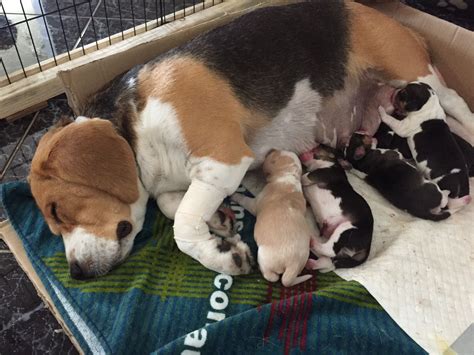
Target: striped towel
[162, 301]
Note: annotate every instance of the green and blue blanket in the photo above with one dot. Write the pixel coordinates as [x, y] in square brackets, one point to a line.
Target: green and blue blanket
[162, 301]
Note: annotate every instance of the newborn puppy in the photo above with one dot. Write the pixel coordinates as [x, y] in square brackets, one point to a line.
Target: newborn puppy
[281, 231]
[343, 216]
[431, 143]
[398, 181]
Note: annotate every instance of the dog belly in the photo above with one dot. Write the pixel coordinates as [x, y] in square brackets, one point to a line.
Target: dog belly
[309, 118]
[325, 206]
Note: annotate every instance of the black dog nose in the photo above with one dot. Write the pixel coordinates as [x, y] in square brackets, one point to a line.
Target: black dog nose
[76, 271]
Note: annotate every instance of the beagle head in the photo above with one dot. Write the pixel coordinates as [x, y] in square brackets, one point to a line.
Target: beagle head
[85, 182]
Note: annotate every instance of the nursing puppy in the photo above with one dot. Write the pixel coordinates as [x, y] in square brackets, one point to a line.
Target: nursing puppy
[431, 143]
[343, 216]
[398, 181]
[281, 231]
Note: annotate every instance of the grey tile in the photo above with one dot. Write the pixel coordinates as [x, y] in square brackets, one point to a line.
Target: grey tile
[26, 325]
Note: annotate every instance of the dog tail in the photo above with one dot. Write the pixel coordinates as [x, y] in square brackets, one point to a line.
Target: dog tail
[290, 276]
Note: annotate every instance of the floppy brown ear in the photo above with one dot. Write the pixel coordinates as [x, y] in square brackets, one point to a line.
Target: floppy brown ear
[93, 154]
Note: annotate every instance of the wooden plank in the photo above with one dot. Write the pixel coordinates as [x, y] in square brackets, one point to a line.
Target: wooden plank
[27, 111]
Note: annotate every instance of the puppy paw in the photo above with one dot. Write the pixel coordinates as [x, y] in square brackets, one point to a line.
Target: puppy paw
[229, 256]
[323, 264]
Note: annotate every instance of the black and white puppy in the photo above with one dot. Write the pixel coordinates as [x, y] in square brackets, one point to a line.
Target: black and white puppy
[398, 181]
[387, 139]
[343, 216]
[431, 143]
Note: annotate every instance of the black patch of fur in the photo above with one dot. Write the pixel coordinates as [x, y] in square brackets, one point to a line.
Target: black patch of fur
[224, 246]
[468, 153]
[414, 96]
[398, 181]
[386, 140]
[115, 102]
[237, 259]
[355, 209]
[436, 145]
[266, 52]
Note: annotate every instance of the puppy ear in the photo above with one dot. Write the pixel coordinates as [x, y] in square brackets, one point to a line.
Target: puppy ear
[344, 164]
[359, 153]
[273, 150]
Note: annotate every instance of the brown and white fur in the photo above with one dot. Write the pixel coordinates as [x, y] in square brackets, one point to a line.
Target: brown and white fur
[281, 231]
[198, 117]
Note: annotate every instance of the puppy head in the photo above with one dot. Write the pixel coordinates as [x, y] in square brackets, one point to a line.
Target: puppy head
[412, 98]
[278, 163]
[358, 147]
[84, 180]
[323, 152]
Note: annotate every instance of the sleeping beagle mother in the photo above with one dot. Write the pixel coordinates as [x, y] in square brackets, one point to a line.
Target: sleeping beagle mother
[187, 126]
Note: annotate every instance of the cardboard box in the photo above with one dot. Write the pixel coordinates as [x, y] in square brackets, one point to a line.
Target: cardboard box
[452, 50]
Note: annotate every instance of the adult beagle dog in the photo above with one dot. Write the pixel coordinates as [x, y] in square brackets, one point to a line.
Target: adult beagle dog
[187, 126]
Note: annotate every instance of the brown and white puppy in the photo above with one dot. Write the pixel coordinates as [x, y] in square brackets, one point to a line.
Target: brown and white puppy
[281, 231]
[198, 117]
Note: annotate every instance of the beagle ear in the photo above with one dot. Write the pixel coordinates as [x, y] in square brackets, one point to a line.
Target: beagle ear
[93, 154]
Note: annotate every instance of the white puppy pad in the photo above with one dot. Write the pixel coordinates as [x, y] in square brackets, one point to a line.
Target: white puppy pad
[421, 272]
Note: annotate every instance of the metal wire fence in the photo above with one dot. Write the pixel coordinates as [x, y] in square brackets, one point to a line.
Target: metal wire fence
[38, 34]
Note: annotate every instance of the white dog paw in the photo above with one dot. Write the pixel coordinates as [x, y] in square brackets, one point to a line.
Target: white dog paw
[229, 256]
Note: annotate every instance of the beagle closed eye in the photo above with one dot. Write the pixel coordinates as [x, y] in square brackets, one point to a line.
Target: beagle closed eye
[54, 213]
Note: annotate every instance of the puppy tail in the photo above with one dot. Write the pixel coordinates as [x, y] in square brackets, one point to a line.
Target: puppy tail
[290, 277]
[437, 216]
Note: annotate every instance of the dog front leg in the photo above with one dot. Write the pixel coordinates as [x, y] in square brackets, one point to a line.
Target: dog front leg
[211, 182]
